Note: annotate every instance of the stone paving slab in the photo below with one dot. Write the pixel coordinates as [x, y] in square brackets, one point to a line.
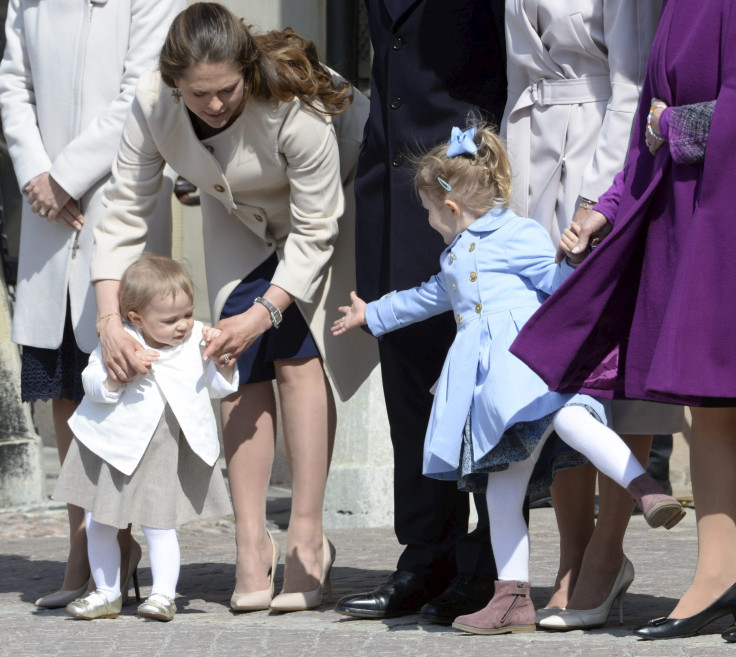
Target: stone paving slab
[32, 545]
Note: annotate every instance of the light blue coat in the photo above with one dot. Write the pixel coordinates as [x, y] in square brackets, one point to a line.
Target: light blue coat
[494, 276]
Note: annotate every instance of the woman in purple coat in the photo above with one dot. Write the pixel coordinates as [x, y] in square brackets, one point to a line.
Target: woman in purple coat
[652, 321]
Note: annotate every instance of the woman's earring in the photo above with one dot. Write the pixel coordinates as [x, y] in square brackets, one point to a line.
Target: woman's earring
[176, 94]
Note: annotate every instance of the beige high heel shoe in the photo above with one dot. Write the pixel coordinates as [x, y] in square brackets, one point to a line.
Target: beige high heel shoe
[258, 600]
[63, 597]
[309, 599]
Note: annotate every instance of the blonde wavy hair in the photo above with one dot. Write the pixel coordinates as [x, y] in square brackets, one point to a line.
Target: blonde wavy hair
[277, 64]
[149, 277]
[480, 182]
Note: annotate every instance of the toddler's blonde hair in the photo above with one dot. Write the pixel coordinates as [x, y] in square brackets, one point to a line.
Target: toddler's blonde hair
[151, 276]
[479, 182]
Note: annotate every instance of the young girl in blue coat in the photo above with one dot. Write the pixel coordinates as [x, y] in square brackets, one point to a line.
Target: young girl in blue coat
[146, 451]
[491, 414]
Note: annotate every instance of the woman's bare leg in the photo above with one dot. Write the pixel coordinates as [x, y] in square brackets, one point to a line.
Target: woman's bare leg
[573, 496]
[602, 559]
[309, 419]
[249, 435]
[713, 473]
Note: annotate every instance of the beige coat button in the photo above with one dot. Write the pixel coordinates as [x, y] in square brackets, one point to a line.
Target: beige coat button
[472, 247]
[219, 188]
[478, 307]
[258, 217]
[473, 277]
[459, 318]
[211, 149]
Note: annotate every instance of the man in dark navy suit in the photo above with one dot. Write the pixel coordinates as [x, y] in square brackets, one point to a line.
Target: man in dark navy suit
[434, 62]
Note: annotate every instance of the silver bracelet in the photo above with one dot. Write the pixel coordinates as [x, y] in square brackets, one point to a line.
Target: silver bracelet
[276, 316]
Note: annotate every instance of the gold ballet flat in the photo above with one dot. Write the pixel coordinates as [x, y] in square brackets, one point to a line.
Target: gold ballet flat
[159, 607]
[95, 605]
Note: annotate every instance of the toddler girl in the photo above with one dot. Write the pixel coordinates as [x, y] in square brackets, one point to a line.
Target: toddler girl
[146, 451]
[491, 413]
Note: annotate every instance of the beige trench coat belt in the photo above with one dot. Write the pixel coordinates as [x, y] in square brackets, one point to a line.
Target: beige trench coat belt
[543, 92]
[569, 91]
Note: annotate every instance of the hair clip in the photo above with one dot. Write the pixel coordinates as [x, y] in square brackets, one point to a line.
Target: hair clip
[176, 94]
[445, 184]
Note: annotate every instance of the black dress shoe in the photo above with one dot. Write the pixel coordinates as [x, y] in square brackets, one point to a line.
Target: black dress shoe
[402, 594]
[730, 634]
[466, 594]
[676, 628]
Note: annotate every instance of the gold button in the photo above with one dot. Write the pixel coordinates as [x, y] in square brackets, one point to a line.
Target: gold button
[219, 188]
[478, 307]
[472, 247]
[258, 217]
[473, 276]
[459, 318]
[386, 296]
[211, 149]
[454, 286]
[452, 257]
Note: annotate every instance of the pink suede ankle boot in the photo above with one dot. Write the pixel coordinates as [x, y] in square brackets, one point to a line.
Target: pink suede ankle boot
[657, 507]
[510, 610]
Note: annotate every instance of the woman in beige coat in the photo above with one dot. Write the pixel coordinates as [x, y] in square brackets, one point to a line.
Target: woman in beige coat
[272, 142]
[575, 71]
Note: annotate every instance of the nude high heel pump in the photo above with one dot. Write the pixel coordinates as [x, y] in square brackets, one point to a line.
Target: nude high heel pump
[63, 597]
[586, 619]
[309, 599]
[258, 600]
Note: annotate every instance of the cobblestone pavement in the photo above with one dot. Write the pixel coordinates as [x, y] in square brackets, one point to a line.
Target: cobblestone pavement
[33, 545]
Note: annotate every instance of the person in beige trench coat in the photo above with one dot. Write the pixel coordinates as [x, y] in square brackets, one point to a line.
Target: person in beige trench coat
[67, 79]
[274, 163]
[575, 71]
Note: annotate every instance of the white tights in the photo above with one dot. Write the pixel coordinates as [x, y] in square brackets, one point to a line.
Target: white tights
[104, 558]
[507, 489]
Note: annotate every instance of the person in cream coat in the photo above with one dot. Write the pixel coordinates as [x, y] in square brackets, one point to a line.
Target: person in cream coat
[273, 155]
[575, 71]
[66, 83]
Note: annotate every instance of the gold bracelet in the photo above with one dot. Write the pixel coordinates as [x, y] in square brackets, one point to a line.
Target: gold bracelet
[107, 317]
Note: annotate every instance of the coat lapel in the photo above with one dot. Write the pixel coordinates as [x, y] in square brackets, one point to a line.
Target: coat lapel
[397, 8]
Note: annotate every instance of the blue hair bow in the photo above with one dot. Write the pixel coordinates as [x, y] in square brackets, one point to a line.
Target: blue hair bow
[461, 143]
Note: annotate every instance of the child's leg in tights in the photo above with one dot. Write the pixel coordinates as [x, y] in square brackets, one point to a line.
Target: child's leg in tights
[163, 552]
[103, 551]
[509, 533]
[603, 448]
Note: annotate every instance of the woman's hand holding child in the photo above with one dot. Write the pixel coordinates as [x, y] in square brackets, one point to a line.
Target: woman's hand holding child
[354, 316]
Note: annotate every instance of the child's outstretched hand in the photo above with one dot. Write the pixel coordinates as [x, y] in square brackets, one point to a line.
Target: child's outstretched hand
[354, 316]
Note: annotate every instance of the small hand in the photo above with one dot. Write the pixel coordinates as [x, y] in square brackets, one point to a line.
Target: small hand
[209, 333]
[593, 229]
[354, 316]
[236, 334]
